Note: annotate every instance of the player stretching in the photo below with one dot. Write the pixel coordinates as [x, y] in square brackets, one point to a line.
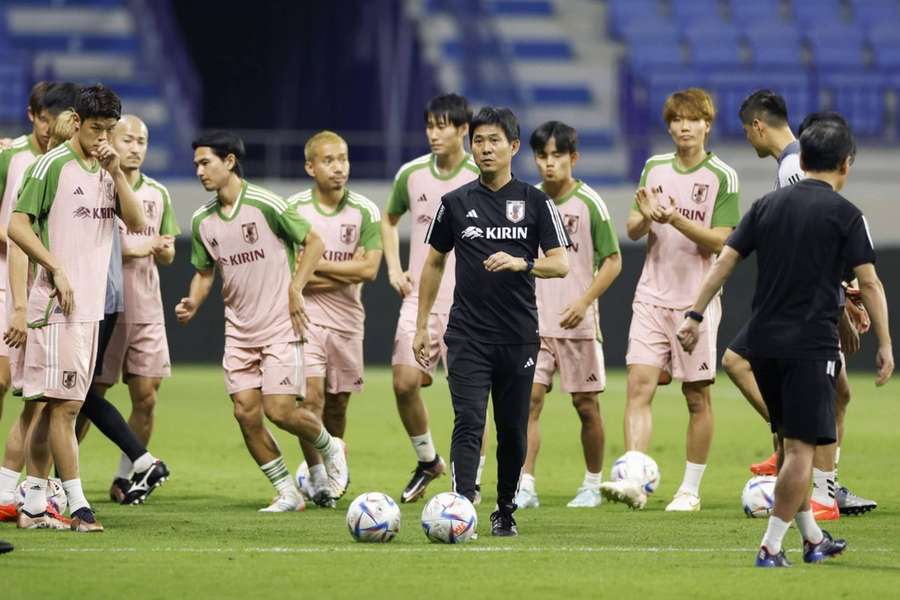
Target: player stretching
[686, 205]
[72, 195]
[349, 224]
[138, 347]
[567, 310]
[249, 233]
[418, 188]
[764, 116]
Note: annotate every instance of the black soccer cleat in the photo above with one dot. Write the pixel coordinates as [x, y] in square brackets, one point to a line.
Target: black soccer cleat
[827, 548]
[766, 559]
[5, 547]
[503, 524]
[143, 484]
[423, 474]
[851, 504]
[119, 489]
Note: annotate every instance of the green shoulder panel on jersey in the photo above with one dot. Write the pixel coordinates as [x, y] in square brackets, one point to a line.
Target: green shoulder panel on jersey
[39, 188]
[304, 197]
[370, 229]
[168, 225]
[398, 201]
[20, 144]
[603, 231]
[469, 164]
[200, 257]
[287, 224]
[727, 209]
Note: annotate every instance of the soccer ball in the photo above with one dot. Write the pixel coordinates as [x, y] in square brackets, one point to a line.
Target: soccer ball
[449, 518]
[639, 467]
[56, 496]
[758, 496]
[373, 517]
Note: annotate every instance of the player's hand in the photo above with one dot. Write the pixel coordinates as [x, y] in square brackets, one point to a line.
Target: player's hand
[573, 315]
[688, 334]
[185, 310]
[108, 157]
[17, 331]
[501, 261]
[421, 347]
[884, 362]
[297, 309]
[161, 243]
[6, 143]
[665, 210]
[63, 291]
[646, 202]
[848, 334]
[401, 282]
[857, 312]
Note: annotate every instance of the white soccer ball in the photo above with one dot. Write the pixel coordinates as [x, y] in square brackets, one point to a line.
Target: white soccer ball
[449, 518]
[758, 496]
[373, 517]
[56, 496]
[639, 467]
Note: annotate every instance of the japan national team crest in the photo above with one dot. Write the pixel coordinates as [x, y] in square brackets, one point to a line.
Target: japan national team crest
[68, 379]
[571, 222]
[150, 209]
[251, 234]
[348, 233]
[699, 193]
[515, 210]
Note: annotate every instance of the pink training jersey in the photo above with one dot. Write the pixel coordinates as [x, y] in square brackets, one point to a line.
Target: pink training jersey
[593, 237]
[355, 223]
[13, 163]
[418, 188]
[74, 208]
[707, 195]
[143, 301]
[253, 248]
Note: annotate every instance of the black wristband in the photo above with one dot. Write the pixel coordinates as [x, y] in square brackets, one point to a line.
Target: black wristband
[692, 314]
[529, 265]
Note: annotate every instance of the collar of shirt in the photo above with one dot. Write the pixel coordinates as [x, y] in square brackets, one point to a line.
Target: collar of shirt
[507, 187]
[792, 148]
[815, 183]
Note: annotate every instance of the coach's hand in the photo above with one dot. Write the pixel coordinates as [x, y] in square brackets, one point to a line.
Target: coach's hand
[501, 261]
[17, 331]
[63, 291]
[884, 361]
[299, 318]
[688, 334]
[401, 282]
[185, 310]
[573, 314]
[848, 334]
[421, 347]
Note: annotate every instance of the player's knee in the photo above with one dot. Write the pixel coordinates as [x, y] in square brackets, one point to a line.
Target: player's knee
[246, 416]
[144, 403]
[64, 411]
[697, 399]
[280, 413]
[587, 406]
[406, 387]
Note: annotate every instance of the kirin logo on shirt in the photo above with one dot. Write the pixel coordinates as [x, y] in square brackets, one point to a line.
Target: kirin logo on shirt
[571, 222]
[348, 233]
[150, 209]
[251, 234]
[515, 210]
[699, 193]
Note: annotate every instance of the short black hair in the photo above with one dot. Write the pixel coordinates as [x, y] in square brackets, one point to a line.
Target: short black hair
[36, 97]
[502, 117]
[60, 96]
[825, 142]
[765, 105]
[566, 137]
[97, 102]
[453, 107]
[222, 143]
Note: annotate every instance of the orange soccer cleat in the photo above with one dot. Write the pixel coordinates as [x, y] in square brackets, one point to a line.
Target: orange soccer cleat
[8, 512]
[825, 512]
[766, 467]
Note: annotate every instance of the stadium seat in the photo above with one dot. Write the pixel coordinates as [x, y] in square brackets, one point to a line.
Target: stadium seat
[650, 30]
[875, 12]
[656, 86]
[817, 11]
[730, 88]
[759, 12]
[687, 13]
[622, 13]
[714, 44]
[837, 46]
[861, 98]
[774, 45]
[520, 8]
[649, 56]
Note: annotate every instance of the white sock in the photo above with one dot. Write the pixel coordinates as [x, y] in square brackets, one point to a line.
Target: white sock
[35, 495]
[693, 473]
[278, 475]
[526, 482]
[325, 444]
[592, 481]
[8, 481]
[144, 462]
[125, 468]
[75, 495]
[837, 459]
[808, 527]
[823, 487]
[775, 534]
[424, 447]
[480, 469]
[318, 477]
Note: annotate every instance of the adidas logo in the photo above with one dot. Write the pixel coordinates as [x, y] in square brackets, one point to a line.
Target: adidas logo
[214, 243]
[529, 363]
[592, 378]
[704, 367]
[78, 191]
[422, 198]
[472, 214]
[285, 381]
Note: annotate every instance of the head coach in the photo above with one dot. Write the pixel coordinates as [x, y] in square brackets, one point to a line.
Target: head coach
[495, 225]
[807, 239]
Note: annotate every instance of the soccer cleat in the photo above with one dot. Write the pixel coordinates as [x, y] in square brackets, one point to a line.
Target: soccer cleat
[477, 499]
[526, 498]
[503, 524]
[8, 512]
[41, 521]
[766, 467]
[765, 559]
[288, 502]
[5, 547]
[824, 512]
[143, 484]
[827, 548]
[304, 481]
[586, 498]
[338, 473]
[625, 491]
[83, 521]
[851, 504]
[684, 502]
[119, 489]
[338, 489]
[423, 474]
[324, 499]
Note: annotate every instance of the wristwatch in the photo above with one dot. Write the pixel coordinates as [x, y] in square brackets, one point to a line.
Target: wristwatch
[693, 314]
[529, 265]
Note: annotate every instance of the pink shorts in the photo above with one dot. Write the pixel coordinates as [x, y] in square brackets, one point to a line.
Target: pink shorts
[138, 349]
[59, 361]
[336, 357]
[4, 323]
[406, 331]
[579, 362]
[276, 369]
[652, 341]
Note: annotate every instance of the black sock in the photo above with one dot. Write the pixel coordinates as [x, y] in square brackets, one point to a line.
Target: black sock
[109, 421]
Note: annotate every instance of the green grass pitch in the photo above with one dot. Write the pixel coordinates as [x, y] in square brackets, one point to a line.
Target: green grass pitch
[200, 536]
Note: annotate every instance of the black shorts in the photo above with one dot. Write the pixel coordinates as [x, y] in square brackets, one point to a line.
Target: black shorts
[800, 396]
[739, 344]
[104, 334]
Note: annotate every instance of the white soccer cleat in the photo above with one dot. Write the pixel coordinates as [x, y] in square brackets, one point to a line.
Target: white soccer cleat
[287, 502]
[526, 498]
[304, 481]
[625, 491]
[684, 502]
[586, 498]
[338, 471]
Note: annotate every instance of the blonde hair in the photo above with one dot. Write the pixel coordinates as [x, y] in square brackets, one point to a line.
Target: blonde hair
[323, 137]
[63, 129]
[692, 103]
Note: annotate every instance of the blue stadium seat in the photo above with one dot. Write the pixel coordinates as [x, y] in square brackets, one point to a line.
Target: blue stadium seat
[714, 44]
[730, 88]
[561, 94]
[15, 74]
[885, 33]
[542, 50]
[650, 30]
[761, 12]
[887, 57]
[658, 84]
[806, 12]
[837, 46]
[861, 98]
[774, 45]
[686, 13]
[649, 56]
[874, 12]
[521, 8]
[621, 13]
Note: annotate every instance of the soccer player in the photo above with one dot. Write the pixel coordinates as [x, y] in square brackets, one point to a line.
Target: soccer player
[567, 310]
[496, 226]
[350, 226]
[418, 188]
[249, 234]
[137, 347]
[73, 195]
[793, 333]
[765, 120]
[686, 205]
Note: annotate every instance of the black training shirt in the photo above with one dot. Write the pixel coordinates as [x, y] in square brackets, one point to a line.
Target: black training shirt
[806, 237]
[476, 222]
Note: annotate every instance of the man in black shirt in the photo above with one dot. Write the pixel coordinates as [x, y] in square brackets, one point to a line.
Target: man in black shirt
[495, 225]
[806, 236]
